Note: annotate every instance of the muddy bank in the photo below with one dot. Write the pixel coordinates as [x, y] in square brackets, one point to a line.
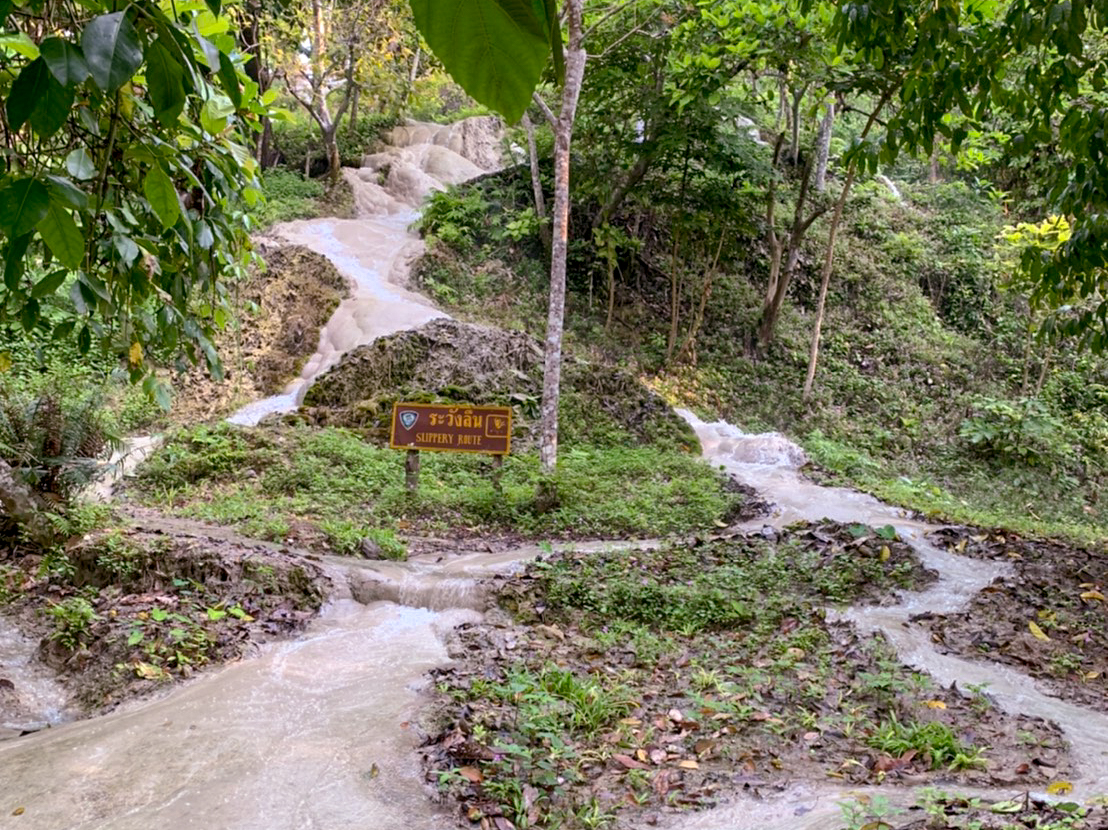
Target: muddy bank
[636, 684]
[284, 306]
[126, 612]
[1048, 617]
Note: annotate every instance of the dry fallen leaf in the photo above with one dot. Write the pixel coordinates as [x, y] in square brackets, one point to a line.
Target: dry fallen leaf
[1059, 788]
[1037, 632]
[936, 704]
[686, 764]
[628, 762]
[1091, 595]
[704, 746]
[18, 811]
[471, 774]
[885, 553]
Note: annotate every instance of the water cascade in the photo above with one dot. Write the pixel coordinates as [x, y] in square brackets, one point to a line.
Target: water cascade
[317, 732]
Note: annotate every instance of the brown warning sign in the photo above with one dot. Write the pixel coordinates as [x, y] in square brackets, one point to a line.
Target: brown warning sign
[447, 428]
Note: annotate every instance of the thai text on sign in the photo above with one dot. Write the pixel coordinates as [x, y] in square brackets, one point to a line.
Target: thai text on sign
[451, 428]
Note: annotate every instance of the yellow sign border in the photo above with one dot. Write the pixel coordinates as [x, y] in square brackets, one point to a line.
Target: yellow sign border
[396, 411]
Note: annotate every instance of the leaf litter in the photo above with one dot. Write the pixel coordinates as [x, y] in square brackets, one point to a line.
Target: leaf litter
[631, 684]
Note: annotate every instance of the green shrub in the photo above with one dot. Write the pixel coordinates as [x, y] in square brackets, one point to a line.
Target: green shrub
[297, 137]
[1022, 432]
[288, 196]
[55, 438]
[73, 618]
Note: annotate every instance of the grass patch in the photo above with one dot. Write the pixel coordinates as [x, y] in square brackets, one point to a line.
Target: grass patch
[265, 481]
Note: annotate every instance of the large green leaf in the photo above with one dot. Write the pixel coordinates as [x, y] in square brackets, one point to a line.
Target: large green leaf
[80, 164]
[28, 88]
[65, 191]
[52, 108]
[61, 235]
[65, 61]
[23, 203]
[112, 50]
[230, 79]
[49, 284]
[165, 81]
[162, 195]
[495, 49]
[14, 261]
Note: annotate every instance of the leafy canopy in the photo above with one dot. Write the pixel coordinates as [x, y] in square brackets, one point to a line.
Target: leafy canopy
[125, 175]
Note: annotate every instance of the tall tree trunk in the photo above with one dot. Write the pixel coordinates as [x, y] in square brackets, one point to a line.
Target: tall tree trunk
[536, 186]
[934, 174]
[794, 114]
[829, 259]
[823, 146]
[781, 273]
[20, 503]
[825, 281]
[334, 160]
[355, 100]
[782, 102]
[575, 58]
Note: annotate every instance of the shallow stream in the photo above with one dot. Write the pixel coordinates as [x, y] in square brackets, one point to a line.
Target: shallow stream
[317, 733]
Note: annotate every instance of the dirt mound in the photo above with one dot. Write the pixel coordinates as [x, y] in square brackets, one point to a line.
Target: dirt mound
[284, 307]
[133, 610]
[452, 361]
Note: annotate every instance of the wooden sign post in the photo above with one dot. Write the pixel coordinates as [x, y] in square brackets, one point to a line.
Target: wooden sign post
[450, 428]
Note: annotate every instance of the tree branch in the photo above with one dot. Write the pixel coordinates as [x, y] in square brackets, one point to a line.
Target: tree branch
[547, 113]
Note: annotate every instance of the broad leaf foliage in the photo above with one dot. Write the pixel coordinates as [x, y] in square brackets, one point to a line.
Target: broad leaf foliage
[126, 175]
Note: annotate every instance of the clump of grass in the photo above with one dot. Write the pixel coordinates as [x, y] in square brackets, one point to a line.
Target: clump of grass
[933, 741]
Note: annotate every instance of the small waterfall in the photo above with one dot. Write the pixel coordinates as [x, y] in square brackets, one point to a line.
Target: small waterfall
[374, 251]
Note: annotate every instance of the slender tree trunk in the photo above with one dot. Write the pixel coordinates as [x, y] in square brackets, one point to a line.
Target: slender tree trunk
[536, 186]
[794, 148]
[563, 138]
[825, 281]
[1025, 382]
[674, 303]
[611, 295]
[823, 147]
[355, 100]
[20, 503]
[934, 175]
[1044, 370]
[782, 102]
[829, 259]
[705, 294]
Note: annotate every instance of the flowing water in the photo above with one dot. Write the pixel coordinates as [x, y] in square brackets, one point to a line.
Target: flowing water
[316, 733]
[770, 464]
